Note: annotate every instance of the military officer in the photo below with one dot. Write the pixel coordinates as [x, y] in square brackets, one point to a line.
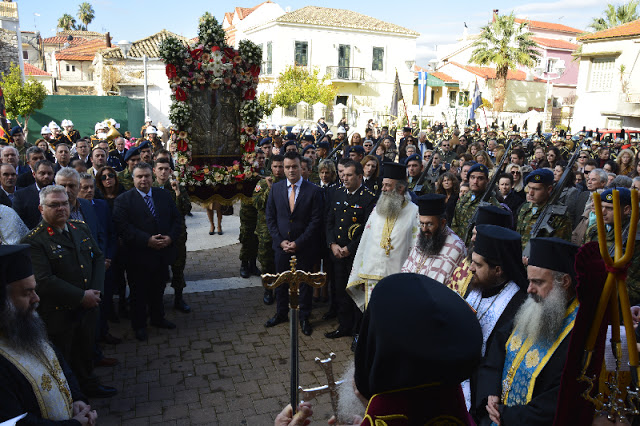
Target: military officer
[248, 239]
[162, 172]
[414, 168]
[125, 177]
[540, 184]
[348, 210]
[266, 255]
[69, 270]
[468, 204]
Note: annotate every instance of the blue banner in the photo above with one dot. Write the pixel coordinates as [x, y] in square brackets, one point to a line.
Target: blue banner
[422, 87]
[477, 101]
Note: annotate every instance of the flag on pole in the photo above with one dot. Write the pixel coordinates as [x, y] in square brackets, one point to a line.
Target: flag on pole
[477, 101]
[395, 98]
[422, 87]
[4, 125]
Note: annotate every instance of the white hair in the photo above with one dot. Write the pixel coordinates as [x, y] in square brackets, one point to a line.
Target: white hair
[51, 189]
[68, 172]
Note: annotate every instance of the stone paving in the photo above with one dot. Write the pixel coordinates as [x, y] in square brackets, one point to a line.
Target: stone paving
[221, 366]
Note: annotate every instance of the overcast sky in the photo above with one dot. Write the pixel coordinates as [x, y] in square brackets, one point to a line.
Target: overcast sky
[438, 22]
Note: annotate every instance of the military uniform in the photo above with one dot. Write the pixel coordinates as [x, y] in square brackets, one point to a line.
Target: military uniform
[528, 216]
[64, 267]
[315, 175]
[184, 207]
[22, 152]
[266, 255]
[126, 179]
[463, 215]
[248, 239]
[69, 139]
[425, 189]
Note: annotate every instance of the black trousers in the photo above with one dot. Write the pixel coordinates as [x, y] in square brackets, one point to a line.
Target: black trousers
[348, 313]
[147, 288]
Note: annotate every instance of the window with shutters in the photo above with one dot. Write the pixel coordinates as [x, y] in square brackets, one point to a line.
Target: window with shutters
[378, 59]
[301, 54]
[601, 77]
[269, 62]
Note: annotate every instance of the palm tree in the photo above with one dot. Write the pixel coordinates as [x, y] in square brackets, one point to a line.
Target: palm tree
[86, 14]
[614, 16]
[504, 44]
[66, 22]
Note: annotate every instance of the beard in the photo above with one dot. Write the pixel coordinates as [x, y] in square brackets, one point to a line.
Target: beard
[24, 330]
[432, 244]
[542, 319]
[390, 204]
[348, 403]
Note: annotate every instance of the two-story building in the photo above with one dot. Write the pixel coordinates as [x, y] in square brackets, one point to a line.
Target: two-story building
[360, 54]
[609, 79]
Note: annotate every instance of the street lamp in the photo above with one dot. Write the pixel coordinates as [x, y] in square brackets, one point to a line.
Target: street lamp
[125, 47]
[552, 70]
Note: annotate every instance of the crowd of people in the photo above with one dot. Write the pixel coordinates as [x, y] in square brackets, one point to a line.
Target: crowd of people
[398, 222]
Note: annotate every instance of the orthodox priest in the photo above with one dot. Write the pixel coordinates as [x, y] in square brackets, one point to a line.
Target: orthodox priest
[36, 385]
[497, 289]
[388, 236]
[438, 250]
[520, 381]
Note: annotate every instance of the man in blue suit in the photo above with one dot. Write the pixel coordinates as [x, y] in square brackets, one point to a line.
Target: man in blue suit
[148, 222]
[26, 201]
[294, 218]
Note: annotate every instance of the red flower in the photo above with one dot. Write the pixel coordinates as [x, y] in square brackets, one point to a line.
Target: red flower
[215, 49]
[198, 177]
[182, 145]
[229, 52]
[240, 177]
[197, 167]
[254, 70]
[249, 146]
[171, 71]
[180, 94]
[196, 53]
[250, 94]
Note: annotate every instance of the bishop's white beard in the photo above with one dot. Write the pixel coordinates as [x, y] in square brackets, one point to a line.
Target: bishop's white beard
[390, 204]
[541, 319]
[24, 330]
[349, 405]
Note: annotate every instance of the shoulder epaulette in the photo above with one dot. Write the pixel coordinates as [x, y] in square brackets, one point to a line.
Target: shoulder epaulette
[76, 221]
[35, 230]
[370, 192]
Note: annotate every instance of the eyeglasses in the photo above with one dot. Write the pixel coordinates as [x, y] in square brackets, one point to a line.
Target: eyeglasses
[583, 156]
[515, 172]
[56, 206]
[108, 176]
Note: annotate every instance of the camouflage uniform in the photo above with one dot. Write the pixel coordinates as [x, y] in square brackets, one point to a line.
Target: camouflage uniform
[315, 175]
[426, 188]
[465, 210]
[22, 153]
[633, 273]
[266, 254]
[126, 179]
[248, 239]
[184, 207]
[528, 216]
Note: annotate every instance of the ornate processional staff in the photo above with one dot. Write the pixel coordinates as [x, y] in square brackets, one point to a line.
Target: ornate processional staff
[294, 278]
[615, 297]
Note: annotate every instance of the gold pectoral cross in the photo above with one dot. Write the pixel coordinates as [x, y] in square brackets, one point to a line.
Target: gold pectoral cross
[388, 247]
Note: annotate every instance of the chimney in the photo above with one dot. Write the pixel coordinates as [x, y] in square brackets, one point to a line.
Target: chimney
[495, 14]
[108, 39]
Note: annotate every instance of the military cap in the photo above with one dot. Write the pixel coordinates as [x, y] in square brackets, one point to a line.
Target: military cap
[406, 129]
[414, 157]
[324, 145]
[394, 171]
[431, 205]
[341, 130]
[478, 168]
[358, 149]
[145, 145]
[307, 148]
[553, 253]
[15, 130]
[544, 176]
[493, 215]
[625, 196]
[131, 152]
[308, 138]
[291, 137]
[289, 143]
[266, 141]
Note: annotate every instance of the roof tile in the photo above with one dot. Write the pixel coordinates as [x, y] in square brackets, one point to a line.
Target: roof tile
[146, 46]
[85, 51]
[554, 43]
[624, 30]
[32, 70]
[540, 25]
[61, 40]
[490, 73]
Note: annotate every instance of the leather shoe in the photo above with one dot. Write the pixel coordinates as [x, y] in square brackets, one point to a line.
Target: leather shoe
[330, 314]
[164, 324]
[110, 339]
[141, 334]
[275, 321]
[337, 334]
[107, 362]
[254, 268]
[180, 305]
[305, 325]
[245, 272]
[101, 391]
[268, 298]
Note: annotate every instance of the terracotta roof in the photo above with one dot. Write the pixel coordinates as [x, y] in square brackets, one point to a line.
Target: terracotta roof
[555, 44]
[146, 46]
[490, 73]
[60, 40]
[242, 12]
[341, 18]
[624, 30]
[81, 52]
[539, 25]
[31, 70]
[444, 77]
[79, 33]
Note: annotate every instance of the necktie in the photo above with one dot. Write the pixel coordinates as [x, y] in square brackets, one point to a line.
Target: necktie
[292, 198]
[147, 199]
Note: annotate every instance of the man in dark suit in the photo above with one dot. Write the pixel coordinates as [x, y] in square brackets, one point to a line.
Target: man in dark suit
[148, 222]
[34, 154]
[26, 201]
[294, 218]
[7, 184]
[120, 150]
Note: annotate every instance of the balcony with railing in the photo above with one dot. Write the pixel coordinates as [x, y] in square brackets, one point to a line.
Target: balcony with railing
[355, 74]
[9, 10]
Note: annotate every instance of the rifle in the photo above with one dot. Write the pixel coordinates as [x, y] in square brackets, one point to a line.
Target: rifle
[424, 176]
[551, 208]
[484, 200]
